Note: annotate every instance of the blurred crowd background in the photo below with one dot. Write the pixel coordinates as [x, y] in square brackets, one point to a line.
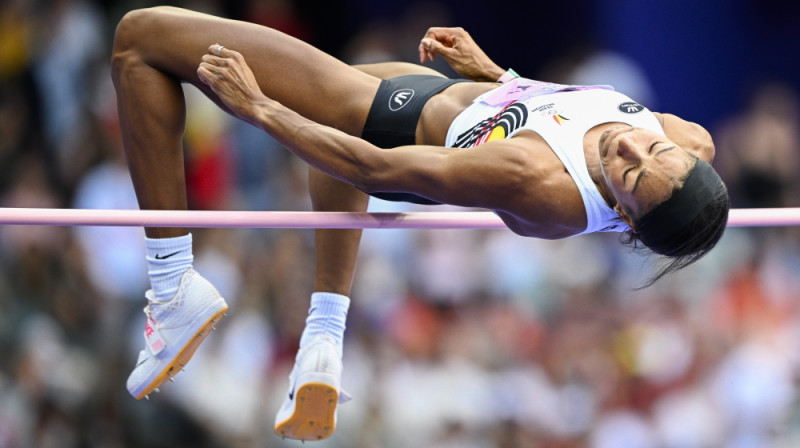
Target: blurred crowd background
[469, 339]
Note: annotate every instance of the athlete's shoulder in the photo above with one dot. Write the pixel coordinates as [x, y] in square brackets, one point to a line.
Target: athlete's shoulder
[691, 136]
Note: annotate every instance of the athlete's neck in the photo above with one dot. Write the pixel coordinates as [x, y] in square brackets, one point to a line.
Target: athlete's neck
[591, 152]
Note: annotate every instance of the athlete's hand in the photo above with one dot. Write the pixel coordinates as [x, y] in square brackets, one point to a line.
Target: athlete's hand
[226, 72]
[458, 48]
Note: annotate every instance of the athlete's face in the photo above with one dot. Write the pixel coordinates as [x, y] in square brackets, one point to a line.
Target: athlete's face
[642, 168]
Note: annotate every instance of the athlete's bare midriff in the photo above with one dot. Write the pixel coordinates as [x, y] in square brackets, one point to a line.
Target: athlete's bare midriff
[440, 111]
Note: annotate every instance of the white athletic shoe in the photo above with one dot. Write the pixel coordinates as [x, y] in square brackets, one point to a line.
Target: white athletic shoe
[309, 411]
[173, 331]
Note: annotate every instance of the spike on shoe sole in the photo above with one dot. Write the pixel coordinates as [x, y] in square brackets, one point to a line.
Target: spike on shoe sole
[184, 355]
[314, 416]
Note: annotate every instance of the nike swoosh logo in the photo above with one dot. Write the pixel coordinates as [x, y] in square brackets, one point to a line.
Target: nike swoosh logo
[159, 257]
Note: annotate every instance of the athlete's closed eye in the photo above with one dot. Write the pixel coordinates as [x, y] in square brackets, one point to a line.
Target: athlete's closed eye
[650, 150]
[664, 150]
[625, 175]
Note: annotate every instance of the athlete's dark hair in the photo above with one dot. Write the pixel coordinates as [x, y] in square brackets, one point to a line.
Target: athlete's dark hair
[684, 240]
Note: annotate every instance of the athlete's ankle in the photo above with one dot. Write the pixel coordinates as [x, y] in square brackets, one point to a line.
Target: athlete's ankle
[327, 315]
[167, 260]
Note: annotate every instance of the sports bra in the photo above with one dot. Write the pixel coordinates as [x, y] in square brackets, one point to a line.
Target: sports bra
[561, 115]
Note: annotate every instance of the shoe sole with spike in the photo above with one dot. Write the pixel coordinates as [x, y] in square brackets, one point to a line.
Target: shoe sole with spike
[314, 416]
[183, 357]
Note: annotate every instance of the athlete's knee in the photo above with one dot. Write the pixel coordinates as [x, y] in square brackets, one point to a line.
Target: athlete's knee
[131, 35]
[125, 38]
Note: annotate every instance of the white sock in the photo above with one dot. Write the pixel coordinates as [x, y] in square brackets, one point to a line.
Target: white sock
[167, 260]
[327, 315]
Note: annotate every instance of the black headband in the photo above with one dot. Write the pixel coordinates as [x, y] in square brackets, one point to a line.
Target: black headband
[658, 228]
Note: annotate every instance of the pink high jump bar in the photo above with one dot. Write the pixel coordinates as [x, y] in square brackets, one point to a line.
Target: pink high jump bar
[752, 217]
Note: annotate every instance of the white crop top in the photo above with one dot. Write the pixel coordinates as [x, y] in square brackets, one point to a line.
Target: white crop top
[562, 115]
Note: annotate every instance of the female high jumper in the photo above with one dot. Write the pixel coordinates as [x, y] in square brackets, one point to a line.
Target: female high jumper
[552, 161]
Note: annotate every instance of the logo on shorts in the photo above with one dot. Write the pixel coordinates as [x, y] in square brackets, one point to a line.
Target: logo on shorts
[400, 98]
[630, 107]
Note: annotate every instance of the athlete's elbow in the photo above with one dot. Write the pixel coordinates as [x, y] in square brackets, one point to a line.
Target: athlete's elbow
[370, 174]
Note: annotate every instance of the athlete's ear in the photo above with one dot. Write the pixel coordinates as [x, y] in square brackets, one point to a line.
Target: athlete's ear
[625, 217]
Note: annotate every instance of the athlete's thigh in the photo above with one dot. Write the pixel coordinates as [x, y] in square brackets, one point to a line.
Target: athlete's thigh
[386, 70]
[288, 70]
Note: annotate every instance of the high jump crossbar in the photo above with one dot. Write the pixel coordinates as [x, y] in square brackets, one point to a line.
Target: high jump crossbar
[752, 217]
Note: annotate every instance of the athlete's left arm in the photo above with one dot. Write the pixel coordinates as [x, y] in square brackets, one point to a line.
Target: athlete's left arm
[690, 136]
[458, 48]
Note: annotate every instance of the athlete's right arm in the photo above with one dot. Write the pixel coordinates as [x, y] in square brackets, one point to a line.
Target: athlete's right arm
[493, 175]
[498, 175]
[458, 48]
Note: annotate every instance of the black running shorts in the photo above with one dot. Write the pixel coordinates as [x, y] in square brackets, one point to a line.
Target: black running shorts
[393, 117]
